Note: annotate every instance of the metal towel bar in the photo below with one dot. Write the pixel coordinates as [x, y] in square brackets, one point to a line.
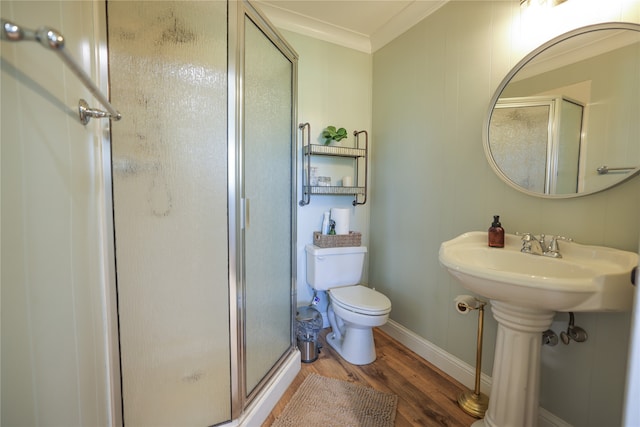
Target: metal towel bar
[53, 40]
[603, 170]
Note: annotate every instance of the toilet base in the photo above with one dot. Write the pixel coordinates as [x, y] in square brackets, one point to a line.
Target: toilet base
[356, 345]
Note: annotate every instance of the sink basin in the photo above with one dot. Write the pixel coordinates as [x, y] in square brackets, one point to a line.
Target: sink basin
[586, 278]
[525, 292]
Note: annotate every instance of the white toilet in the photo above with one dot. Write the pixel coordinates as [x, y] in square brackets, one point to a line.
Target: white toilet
[353, 309]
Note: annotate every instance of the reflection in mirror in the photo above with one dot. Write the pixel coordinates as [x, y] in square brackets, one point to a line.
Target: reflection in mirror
[566, 120]
[536, 142]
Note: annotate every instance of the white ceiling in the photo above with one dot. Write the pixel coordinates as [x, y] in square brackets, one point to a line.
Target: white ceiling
[365, 25]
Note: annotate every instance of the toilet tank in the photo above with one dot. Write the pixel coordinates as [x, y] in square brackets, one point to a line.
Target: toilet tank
[334, 267]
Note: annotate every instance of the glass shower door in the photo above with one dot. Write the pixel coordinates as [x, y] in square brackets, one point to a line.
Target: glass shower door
[168, 67]
[267, 153]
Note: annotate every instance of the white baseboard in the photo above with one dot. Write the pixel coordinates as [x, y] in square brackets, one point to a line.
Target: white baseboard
[264, 403]
[547, 419]
[451, 365]
[454, 367]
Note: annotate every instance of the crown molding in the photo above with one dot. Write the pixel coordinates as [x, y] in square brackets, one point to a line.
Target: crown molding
[307, 26]
[403, 21]
[397, 25]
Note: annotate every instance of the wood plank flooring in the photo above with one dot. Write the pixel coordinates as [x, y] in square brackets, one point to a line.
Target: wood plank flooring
[426, 395]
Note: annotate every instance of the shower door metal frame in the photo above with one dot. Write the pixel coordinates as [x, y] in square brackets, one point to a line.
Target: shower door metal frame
[237, 11]
[554, 104]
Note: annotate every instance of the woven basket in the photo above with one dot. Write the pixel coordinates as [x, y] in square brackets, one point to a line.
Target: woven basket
[354, 238]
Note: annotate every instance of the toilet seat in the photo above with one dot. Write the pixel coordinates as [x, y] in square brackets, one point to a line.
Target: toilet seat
[360, 299]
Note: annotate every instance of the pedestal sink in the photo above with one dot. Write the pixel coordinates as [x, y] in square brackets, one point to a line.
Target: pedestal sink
[525, 292]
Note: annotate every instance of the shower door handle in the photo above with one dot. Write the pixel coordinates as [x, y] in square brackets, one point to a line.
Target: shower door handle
[244, 213]
[247, 216]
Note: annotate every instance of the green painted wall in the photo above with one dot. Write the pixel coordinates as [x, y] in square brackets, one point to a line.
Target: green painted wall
[431, 182]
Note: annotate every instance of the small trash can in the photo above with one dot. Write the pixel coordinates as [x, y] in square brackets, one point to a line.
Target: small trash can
[308, 325]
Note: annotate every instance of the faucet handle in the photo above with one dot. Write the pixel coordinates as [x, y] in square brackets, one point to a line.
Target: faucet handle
[526, 237]
[554, 249]
[553, 245]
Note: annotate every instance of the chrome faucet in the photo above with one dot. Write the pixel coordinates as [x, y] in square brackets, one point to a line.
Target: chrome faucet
[539, 246]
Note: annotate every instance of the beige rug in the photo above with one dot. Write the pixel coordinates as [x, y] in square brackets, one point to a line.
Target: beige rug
[327, 402]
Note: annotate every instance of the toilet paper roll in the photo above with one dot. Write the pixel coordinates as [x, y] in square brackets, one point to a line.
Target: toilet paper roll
[341, 216]
[465, 303]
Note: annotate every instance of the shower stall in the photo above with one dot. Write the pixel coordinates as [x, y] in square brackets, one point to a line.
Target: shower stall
[537, 142]
[204, 208]
[147, 263]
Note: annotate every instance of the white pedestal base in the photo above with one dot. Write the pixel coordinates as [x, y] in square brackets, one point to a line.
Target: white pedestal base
[516, 366]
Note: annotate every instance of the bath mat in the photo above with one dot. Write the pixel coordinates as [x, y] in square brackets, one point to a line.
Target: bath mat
[327, 402]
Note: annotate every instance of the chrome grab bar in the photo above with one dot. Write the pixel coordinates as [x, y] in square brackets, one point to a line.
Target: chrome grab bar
[53, 40]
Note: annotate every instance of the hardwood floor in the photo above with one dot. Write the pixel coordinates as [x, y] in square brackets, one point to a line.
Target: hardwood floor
[426, 395]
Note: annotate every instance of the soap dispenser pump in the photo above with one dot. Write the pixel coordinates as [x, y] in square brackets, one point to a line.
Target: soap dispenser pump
[496, 233]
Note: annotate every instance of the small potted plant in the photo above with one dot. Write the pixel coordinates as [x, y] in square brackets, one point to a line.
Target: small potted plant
[333, 134]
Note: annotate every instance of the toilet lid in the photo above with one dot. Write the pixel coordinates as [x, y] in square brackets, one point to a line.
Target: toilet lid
[361, 299]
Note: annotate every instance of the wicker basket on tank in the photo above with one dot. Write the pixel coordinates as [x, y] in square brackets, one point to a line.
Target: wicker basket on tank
[354, 238]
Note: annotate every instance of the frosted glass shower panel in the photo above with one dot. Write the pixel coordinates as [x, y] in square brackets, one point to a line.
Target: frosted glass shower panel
[168, 66]
[519, 144]
[268, 190]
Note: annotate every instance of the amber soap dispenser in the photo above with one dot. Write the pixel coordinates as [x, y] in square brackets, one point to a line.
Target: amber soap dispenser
[496, 233]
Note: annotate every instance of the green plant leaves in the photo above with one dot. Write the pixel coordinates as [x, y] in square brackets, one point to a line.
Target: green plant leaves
[332, 134]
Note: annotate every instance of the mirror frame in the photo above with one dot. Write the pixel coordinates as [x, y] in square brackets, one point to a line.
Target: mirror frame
[524, 61]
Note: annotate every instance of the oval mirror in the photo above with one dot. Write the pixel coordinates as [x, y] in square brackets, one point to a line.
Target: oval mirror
[565, 121]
